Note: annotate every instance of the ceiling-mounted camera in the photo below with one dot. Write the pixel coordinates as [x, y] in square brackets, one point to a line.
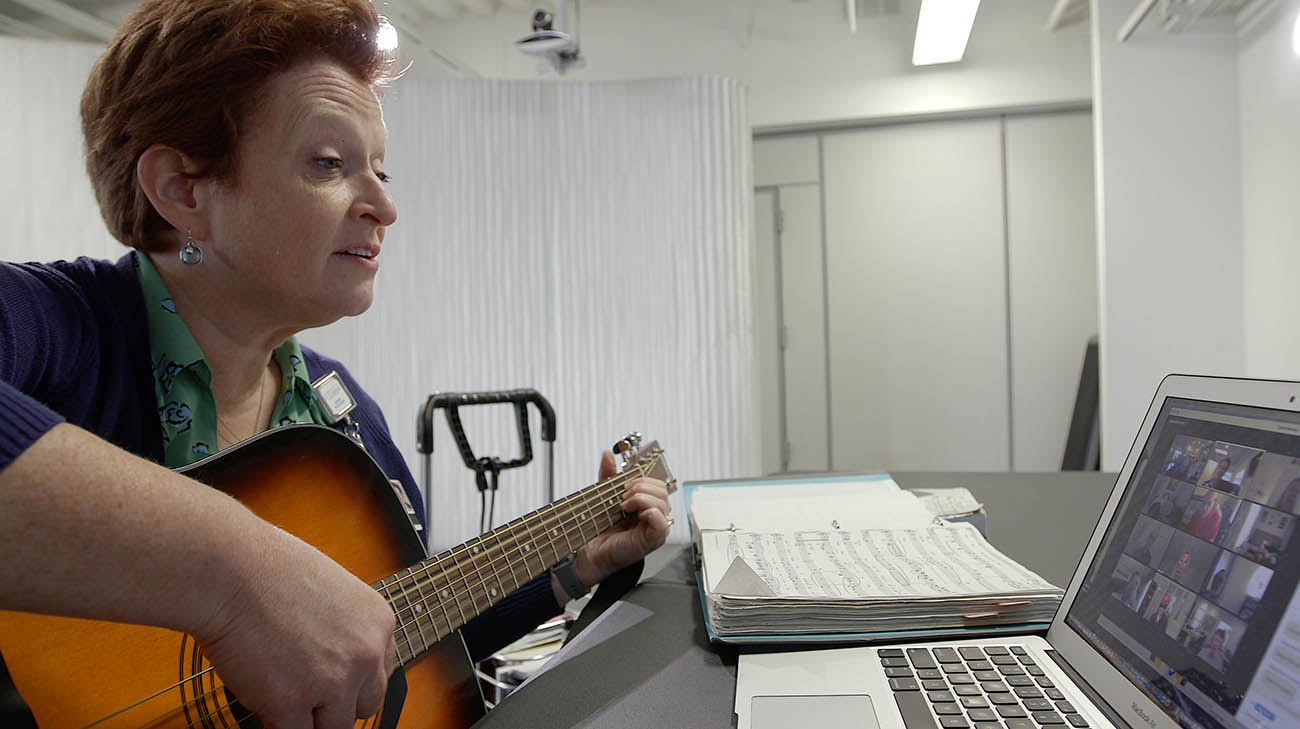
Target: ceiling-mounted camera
[552, 40]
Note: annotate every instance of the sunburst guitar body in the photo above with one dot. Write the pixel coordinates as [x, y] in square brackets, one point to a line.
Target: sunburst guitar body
[74, 673]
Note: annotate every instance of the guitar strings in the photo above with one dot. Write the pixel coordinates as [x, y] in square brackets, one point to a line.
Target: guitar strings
[195, 702]
[420, 618]
[418, 578]
[493, 555]
[412, 603]
[150, 697]
[497, 548]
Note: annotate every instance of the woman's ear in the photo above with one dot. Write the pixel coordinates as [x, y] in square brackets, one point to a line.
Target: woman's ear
[166, 176]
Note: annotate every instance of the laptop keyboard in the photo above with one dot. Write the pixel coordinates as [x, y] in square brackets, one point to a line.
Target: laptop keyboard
[975, 687]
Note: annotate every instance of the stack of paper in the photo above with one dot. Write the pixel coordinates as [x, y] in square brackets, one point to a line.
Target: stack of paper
[850, 557]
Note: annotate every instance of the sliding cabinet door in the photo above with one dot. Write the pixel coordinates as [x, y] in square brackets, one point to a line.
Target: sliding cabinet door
[1051, 236]
[916, 292]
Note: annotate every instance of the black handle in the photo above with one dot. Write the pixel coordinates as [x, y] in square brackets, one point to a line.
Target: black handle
[451, 403]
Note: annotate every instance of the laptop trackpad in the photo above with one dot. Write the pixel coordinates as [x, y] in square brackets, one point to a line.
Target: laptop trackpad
[827, 712]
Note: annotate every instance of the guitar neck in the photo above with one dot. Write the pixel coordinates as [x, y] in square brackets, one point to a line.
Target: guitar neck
[437, 596]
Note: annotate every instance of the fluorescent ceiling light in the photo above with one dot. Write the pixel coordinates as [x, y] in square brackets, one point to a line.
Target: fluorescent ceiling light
[942, 30]
[1295, 36]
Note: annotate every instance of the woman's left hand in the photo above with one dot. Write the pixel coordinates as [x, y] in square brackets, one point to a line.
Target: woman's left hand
[645, 500]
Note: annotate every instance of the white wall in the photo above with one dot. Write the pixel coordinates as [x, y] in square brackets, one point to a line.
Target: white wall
[798, 59]
[1268, 73]
[1169, 214]
[49, 207]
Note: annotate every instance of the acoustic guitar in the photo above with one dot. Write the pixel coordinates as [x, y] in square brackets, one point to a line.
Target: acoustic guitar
[319, 485]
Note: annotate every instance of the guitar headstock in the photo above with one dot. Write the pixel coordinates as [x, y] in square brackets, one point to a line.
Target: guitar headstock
[649, 459]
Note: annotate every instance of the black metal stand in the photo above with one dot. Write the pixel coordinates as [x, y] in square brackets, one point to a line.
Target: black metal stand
[450, 403]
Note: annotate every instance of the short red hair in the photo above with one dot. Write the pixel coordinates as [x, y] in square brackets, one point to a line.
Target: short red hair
[188, 73]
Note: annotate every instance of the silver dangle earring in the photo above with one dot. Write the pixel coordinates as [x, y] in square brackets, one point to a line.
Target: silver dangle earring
[190, 254]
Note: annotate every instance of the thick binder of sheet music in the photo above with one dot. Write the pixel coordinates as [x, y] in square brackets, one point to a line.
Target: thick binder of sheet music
[837, 559]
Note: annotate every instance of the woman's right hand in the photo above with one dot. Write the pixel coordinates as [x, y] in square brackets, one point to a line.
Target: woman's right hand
[300, 641]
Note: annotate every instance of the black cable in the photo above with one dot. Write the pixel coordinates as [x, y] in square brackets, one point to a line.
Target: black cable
[496, 474]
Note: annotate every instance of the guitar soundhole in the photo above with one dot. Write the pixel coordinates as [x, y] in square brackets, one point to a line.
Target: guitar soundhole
[249, 721]
[204, 699]
[208, 704]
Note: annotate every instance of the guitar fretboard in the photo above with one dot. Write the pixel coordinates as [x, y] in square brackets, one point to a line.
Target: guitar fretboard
[437, 596]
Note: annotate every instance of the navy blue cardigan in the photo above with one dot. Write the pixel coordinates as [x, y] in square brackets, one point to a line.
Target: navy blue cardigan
[74, 346]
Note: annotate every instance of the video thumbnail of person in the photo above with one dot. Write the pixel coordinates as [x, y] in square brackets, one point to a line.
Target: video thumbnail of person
[1168, 606]
[1187, 560]
[1212, 634]
[1237, 584]
[1168, 499]
[1227, 466]
[1210, 514]
[1187, 457]
[1275, 482]
[1148, 540]
[1131, 581]
[1261, 533]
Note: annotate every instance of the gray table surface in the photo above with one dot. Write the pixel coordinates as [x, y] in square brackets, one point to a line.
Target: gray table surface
[647, 662]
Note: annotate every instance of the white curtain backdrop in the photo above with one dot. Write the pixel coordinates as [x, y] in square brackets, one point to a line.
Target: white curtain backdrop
[49, 210]
[589, 240]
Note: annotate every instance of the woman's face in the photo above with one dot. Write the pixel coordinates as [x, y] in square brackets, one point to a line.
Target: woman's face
[299, 230]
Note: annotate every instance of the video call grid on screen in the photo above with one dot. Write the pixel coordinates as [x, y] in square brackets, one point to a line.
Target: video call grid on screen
[1199, 567]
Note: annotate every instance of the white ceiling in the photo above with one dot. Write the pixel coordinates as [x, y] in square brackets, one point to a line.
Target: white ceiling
[93, 20]
[430, 28]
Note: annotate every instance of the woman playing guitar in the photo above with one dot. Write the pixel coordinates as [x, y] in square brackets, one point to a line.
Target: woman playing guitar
[237, 146]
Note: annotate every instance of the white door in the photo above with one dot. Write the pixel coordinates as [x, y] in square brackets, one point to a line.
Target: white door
[791, 323]
[803, 311]
[916, 280]
[767, 323]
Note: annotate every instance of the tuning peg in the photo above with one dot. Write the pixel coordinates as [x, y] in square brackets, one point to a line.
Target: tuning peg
[626, 447]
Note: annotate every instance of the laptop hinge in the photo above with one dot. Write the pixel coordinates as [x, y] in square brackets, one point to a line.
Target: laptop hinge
[1093, 696]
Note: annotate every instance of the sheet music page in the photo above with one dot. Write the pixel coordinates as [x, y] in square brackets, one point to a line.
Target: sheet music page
[948, 502]
[867, 504]
[934, 561]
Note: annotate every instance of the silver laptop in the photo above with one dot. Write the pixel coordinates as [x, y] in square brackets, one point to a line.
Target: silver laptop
[1184, 610]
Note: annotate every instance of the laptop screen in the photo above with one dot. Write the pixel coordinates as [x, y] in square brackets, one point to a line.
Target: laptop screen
[1192, 592]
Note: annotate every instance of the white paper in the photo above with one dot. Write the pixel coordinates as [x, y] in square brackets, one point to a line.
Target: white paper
[934, 561]
[948, 502]
[868, 504]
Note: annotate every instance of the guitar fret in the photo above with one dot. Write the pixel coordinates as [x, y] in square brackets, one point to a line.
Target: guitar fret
[455, 593]
[476, 556]
[540, 552]
[548, 545]
[585, 517]
[414, 608]
[528, 550]
[560, 545]
[520, 566]
[410, 647]
[443, 594]
[500, 550]
[424, 604]
[568, 544]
